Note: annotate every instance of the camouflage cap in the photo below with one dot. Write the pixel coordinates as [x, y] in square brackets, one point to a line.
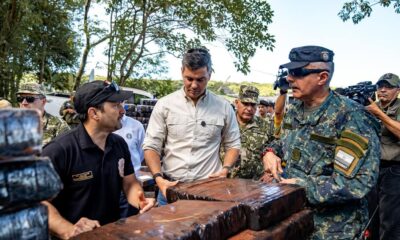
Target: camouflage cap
[31, 88]
[391, 78]
[302, 56]
[248, 94]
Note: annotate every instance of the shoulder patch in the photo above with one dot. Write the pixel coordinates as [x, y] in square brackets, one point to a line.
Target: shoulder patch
[360, 140]
[350, 148]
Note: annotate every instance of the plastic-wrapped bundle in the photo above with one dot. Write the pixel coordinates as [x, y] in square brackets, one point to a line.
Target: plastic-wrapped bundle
[25, 181]
[20, 132]
[29, 223]
[145, 101]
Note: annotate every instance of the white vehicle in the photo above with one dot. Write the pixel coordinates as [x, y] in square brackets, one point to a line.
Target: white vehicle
[55, 100]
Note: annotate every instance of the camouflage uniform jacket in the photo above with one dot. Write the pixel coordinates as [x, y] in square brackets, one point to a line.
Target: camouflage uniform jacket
[254, 136]
[316, 147]
[52, 127]
[70, 118]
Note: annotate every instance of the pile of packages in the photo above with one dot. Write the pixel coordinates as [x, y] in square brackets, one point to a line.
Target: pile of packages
[25, 179]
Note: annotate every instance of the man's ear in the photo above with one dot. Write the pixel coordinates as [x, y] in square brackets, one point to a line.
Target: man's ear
[323, 78]
[92, 113]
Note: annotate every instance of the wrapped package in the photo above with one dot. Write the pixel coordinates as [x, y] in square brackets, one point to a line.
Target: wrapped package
[20, 132]
[298, 226]
[265, 204]
[27, 180]
[182, 220]
[29, 223]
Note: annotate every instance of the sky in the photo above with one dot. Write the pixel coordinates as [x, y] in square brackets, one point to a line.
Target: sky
[363, 51]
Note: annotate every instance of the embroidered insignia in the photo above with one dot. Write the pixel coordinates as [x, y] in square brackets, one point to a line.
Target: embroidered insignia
[121, 165]
[325, 56]
[82, 176]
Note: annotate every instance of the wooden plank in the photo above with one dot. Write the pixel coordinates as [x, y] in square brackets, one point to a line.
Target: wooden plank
[296, 227]
[265, 204]
[180, 220]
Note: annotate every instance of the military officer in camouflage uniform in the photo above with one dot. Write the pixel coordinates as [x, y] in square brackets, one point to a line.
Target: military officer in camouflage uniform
[32, 96]
[68, 113]
[330, 144]
[255, 133]
[388, 111]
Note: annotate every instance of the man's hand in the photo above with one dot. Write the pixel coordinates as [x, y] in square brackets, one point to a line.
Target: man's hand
[267, 177]
[272, 165]
[373, 108]
[83, 225]
[290, 180]
[163, 184]
[145, 204]
[223, 174]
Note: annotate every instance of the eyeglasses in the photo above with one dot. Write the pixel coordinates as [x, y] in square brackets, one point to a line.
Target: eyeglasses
[113, 86]
[29, 99]
[385, 85]
[302, 72]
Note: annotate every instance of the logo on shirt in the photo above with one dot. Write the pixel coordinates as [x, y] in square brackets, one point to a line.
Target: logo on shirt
[82, 176]
[121, 165]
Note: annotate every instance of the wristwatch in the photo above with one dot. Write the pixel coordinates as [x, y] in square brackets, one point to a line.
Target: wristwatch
[156, 175]
[229, 168]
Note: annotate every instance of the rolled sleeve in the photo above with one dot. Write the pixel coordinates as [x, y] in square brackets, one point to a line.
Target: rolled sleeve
[156, 130]
[231, 133]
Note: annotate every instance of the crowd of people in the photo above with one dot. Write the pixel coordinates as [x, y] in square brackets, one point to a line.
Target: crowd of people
[338, 150]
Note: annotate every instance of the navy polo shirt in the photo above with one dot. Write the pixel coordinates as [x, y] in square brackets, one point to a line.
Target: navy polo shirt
[92, 177]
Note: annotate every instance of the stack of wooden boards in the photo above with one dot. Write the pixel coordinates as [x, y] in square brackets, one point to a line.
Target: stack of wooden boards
[219, 209]
[25, 180]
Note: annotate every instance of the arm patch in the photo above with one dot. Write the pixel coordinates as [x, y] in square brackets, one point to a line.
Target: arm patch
[350, 148]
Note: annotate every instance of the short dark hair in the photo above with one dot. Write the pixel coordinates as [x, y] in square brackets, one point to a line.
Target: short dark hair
[196, 58]
[83, 116]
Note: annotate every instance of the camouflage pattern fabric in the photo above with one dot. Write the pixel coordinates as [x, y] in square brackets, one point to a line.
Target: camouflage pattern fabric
[254, 136]
[52, 127]
[70, 118]
[309, 146]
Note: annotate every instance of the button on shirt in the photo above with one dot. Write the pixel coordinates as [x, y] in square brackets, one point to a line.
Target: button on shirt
[192, 134]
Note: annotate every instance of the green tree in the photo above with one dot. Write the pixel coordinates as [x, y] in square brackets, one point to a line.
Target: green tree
[143, 31]
[357, 10]
[35, 36]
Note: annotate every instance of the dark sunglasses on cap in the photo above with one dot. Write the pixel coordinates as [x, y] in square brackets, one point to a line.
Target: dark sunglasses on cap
[302, 72]
[29, 99]
[113, 86]
[385, 85]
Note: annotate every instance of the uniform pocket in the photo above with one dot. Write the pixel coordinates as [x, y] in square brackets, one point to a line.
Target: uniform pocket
[177, 126]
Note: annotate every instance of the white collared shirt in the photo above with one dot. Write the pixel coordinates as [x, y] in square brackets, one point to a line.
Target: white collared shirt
[192, 134]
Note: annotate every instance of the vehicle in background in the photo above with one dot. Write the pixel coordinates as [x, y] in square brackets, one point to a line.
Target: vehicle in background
[55, 100]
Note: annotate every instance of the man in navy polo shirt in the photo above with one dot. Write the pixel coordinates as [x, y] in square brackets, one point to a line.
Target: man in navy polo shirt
[94, 164]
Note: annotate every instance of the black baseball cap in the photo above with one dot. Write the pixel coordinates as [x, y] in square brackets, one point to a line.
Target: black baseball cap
[302, 56]
[92, 94]
[266, 103]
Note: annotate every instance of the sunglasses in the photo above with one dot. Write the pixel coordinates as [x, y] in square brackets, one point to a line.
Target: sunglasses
[113, 86]
[386, 85]
[29, 99]
[302, 72]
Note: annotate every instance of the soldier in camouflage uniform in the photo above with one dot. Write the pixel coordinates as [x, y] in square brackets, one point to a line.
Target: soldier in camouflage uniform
[68, 113]
[330, 144]
[255, 133]
[32, 96]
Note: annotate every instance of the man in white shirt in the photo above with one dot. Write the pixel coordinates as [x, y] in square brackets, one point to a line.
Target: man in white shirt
[190, 125]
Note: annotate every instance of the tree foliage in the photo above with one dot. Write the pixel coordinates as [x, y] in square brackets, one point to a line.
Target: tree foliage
[35, 36]
[143, 31]
[357, 10]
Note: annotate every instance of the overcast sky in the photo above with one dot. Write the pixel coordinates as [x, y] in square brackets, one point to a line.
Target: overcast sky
[363, 52]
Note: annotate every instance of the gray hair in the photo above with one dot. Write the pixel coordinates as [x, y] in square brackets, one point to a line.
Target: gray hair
[197, 58]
